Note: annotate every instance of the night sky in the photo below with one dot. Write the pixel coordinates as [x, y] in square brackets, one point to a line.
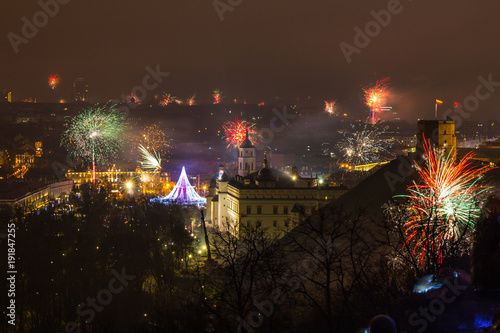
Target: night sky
[261, 50]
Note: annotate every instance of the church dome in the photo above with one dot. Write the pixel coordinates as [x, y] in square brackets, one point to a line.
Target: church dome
[265, 175]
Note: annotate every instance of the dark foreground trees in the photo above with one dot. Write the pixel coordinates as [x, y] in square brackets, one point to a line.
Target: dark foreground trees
[486, 251]
[128, 265]
[96, 263]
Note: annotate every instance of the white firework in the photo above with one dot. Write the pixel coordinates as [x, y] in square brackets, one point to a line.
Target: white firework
[364, 146]
[151, 161]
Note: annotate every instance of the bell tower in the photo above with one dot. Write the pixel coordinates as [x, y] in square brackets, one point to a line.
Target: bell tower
[246, 157]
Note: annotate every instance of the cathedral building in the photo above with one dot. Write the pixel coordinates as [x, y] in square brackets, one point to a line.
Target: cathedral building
[267, 198]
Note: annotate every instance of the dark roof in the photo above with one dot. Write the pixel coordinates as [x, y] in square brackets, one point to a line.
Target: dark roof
[372, 193]
[18, 189]
[213, 182]
[282, 180]
[225, 177]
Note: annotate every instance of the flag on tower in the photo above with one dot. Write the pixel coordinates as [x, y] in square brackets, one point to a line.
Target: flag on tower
[438, 102]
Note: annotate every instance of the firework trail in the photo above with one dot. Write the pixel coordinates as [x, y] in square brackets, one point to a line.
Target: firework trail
[54, 80]
[217, 95]
[150, 161]
[191, 101]
[364, 146]
[95, 135]
[236, 131]
[445, 206]
[376, 97]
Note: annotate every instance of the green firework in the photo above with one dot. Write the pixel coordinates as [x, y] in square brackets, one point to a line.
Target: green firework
[96, 132]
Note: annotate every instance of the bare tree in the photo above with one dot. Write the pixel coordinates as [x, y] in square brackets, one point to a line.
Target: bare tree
[244, 269]
[331, 254]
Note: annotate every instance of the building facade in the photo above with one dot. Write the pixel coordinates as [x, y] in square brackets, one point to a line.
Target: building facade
[268, 199]
[5, 96]
[38, 195]
[145, 182]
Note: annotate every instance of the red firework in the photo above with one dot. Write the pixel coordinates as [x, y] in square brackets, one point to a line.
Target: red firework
[167, 99]
[133, 99]
[376, 97]
[54, 80]
[445, 204]
[217, 95]
[236, 132]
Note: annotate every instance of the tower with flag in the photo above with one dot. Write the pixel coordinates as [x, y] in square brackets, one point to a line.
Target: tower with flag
[438, 102]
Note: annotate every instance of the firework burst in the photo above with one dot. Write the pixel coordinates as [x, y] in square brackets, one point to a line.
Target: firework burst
[236, 131]
[133, 99]
[95, 135]
[150, 160]
[330, 107]
[364, 146]
[152, 137]
[376, 97]
[167, 99]
[445, 206]
[217, 95]
[54, 80]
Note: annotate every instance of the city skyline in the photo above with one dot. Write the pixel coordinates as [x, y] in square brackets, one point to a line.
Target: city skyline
[295, 51]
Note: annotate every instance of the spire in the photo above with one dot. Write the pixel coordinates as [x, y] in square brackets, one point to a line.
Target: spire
[265, 163]
[247, 143]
